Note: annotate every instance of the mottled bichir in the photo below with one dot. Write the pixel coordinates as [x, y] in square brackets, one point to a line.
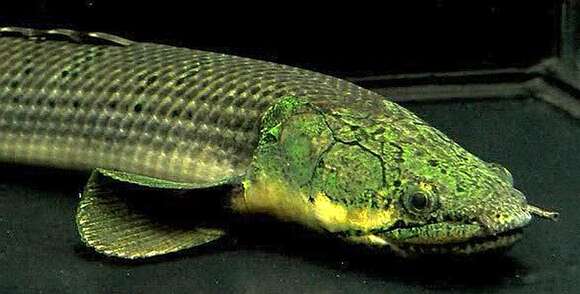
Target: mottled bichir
[298, 145]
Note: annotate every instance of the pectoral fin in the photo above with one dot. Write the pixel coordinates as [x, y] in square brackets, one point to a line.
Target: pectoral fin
[136, 221]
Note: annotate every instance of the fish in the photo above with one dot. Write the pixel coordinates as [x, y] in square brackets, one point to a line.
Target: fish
[299, 146]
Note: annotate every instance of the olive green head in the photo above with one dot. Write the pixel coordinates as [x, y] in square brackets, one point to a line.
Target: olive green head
[372, 172]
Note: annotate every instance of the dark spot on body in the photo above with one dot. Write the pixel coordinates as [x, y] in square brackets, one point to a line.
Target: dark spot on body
[214, 116]
[180, 92]
[419, 153]
[378, 131]
[99, 89]
[113, 89]
[254, 90]
[164, 92]
[151, 80]
[203, 97]
[396, 146]
[235, 123]
[228, 87]
[151, 90]
[238, 102]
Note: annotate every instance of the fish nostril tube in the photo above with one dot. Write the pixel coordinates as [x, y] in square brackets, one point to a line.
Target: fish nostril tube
[543, 213]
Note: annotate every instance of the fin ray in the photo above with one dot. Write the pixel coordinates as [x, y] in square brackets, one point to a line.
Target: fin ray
[109, 221]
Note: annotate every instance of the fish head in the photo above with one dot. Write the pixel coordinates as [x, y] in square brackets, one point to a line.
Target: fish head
[385, 178]
[470, 208]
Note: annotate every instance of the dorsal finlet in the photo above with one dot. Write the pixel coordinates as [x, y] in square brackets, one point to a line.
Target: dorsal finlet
[71, 35]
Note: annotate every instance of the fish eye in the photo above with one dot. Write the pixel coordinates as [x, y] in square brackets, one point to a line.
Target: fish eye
[418, 202]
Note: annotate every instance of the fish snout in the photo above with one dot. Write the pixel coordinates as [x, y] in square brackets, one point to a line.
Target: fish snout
[501, 216]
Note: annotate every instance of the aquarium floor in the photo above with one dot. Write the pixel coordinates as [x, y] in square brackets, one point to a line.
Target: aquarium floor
[40, 251]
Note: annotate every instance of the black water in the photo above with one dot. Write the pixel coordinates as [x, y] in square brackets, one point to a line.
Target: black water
[40, 251]
[354, 39]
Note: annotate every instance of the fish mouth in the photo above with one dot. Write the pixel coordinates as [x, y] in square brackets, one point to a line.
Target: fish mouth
[449, 239]
[471, 246]
[452, 238]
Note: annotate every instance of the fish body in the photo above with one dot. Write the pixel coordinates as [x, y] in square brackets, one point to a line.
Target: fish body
[299, 145]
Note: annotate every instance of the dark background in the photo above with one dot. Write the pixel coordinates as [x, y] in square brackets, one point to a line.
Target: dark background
[349, 39]
[40, 251]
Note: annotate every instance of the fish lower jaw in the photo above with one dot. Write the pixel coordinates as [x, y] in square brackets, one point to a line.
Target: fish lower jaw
[474, 245]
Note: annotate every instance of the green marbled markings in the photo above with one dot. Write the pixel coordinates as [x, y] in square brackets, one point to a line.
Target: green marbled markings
[350, 175]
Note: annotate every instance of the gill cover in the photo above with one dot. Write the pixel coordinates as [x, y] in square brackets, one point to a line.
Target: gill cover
[302, 172]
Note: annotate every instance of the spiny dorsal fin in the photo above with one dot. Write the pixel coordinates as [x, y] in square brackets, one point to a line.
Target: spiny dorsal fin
[131, 221]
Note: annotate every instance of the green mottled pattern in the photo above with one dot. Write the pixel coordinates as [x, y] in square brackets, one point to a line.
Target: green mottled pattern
[413, 152]
[155, 110]
[374, 154]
